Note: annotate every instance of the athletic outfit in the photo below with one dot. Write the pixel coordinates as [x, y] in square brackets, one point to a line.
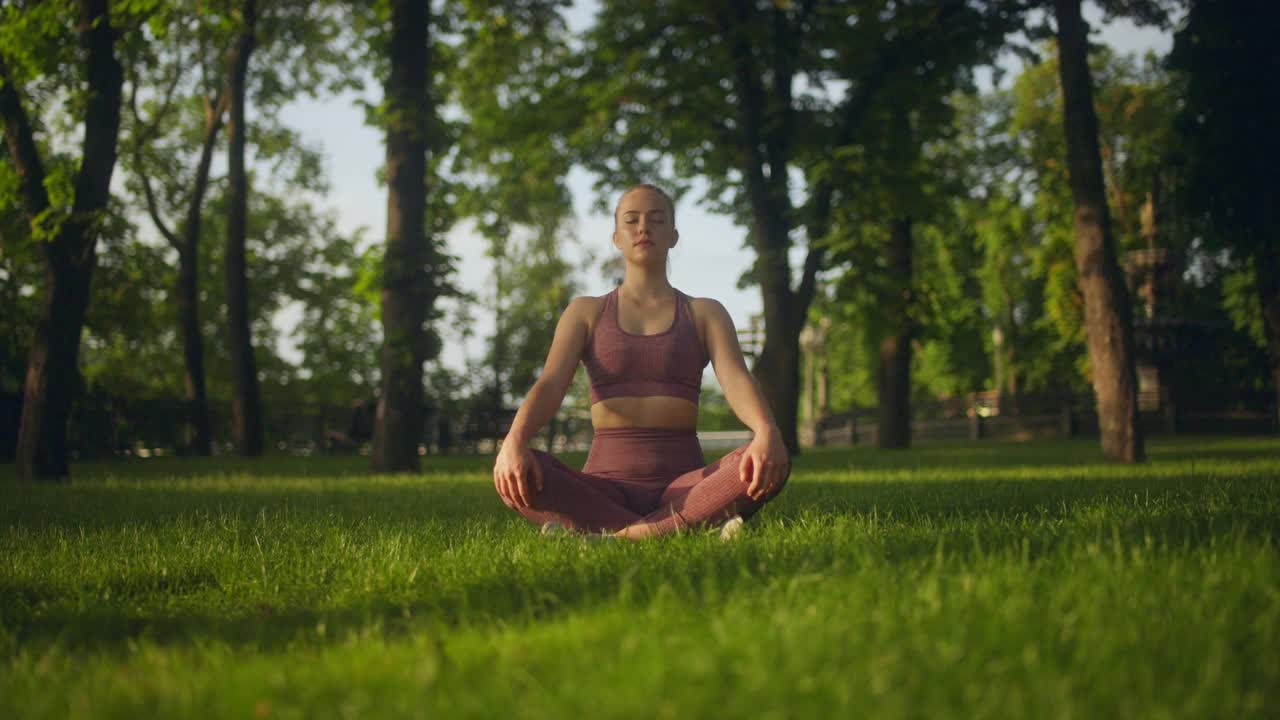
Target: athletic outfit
[642, 475]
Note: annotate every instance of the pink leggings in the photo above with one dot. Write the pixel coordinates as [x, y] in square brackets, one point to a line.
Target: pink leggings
[641, 476]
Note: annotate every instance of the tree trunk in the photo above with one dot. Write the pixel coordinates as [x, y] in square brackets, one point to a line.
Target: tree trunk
[894, 379]
[188, 290]
[1266, 267]
[778, 371]
[246, 402]
[778, 366]
[53, 379]
[70, 255]
[1108, 321]
[406, 289]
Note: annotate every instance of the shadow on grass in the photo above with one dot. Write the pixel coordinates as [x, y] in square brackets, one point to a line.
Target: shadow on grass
[955, 454]
[429, 504]
[315, 466]
[824, 527]
[1011, 454]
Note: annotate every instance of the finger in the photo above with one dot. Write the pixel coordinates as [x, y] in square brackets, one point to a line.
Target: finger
[537, 474]
[764, 479]
[744, 468]
[522, 486]
[511, 489]
[501, 484]
[757, 472]
[774, 482]
[507, 491]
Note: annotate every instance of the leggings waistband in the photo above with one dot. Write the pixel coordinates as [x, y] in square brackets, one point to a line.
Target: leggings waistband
[644, 433]
[643, 453]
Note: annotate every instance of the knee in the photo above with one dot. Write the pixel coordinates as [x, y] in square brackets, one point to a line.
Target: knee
[786, 477]
[543, 459]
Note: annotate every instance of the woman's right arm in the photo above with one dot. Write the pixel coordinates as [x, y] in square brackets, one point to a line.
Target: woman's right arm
[515, 472]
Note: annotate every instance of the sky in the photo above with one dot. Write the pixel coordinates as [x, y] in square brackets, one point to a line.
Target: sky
[707, 262]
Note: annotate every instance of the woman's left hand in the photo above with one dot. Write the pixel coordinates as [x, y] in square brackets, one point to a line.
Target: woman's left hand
[765, 465]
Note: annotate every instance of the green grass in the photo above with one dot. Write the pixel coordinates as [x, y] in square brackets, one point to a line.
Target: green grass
[993, 580]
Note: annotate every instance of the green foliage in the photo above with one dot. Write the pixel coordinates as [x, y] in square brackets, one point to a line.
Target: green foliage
[1240, 299]
[996, 302]
[37, 42]
[907, 160]
[1229, 133]
[850, 345]
[714, 413]
[300, 264]
[536, 285]
[655, 92]
[130, 346]
[1144, 163]
[512, 164]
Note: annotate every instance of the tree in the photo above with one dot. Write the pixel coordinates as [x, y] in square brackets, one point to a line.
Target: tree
[1108, 317]
[904, 182]
[180, 76]
[67, 235]
[754, 98]
[540, 284]
[1229, 128]
[1027, 225]
[406, 285]
[213, 101]
[514, 157]
[246, 403]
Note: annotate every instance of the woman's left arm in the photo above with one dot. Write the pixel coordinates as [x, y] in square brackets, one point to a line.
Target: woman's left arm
[765, 464]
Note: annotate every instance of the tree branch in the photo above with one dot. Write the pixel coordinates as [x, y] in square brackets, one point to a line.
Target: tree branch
[102, 115]
[139, 139]
[816, 257]
[852, 114]
[22, 147]
[750, 106]
[779, 133]
[151, 130]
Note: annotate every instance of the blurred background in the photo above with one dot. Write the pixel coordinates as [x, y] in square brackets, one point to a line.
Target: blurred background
[205, 211]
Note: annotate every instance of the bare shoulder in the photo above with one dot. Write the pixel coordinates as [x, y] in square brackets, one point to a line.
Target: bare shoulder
[583, 310]
[582, 305]
[709, 310]
[715, 327]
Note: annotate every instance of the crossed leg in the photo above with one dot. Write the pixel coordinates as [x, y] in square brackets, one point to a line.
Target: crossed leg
[588, 503]
[576, 500]
[706, 496]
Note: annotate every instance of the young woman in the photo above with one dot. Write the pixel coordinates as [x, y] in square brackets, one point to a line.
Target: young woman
[644, 346]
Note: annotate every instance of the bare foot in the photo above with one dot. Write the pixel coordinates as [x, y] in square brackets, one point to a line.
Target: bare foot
[635, 532]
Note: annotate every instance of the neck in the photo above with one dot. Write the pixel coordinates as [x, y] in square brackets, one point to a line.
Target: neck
[643, 281]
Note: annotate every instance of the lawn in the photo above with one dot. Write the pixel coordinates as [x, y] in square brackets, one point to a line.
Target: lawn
[993, 580]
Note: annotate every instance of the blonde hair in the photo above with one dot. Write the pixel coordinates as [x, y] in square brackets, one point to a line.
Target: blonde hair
[671, 204]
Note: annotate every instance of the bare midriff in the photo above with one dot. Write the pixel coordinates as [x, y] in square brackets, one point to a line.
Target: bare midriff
[670, 413]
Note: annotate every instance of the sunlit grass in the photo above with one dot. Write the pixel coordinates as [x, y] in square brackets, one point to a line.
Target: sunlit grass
[989, 580]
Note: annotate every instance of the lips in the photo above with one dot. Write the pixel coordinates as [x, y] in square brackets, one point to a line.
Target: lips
[644, 243]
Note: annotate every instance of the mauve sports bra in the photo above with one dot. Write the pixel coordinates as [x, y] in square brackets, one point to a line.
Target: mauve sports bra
[621, 364]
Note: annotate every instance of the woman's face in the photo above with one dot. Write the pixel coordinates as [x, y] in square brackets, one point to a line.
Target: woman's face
[643, 227]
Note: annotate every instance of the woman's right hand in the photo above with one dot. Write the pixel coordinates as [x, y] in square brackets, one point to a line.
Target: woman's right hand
[516, 474]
